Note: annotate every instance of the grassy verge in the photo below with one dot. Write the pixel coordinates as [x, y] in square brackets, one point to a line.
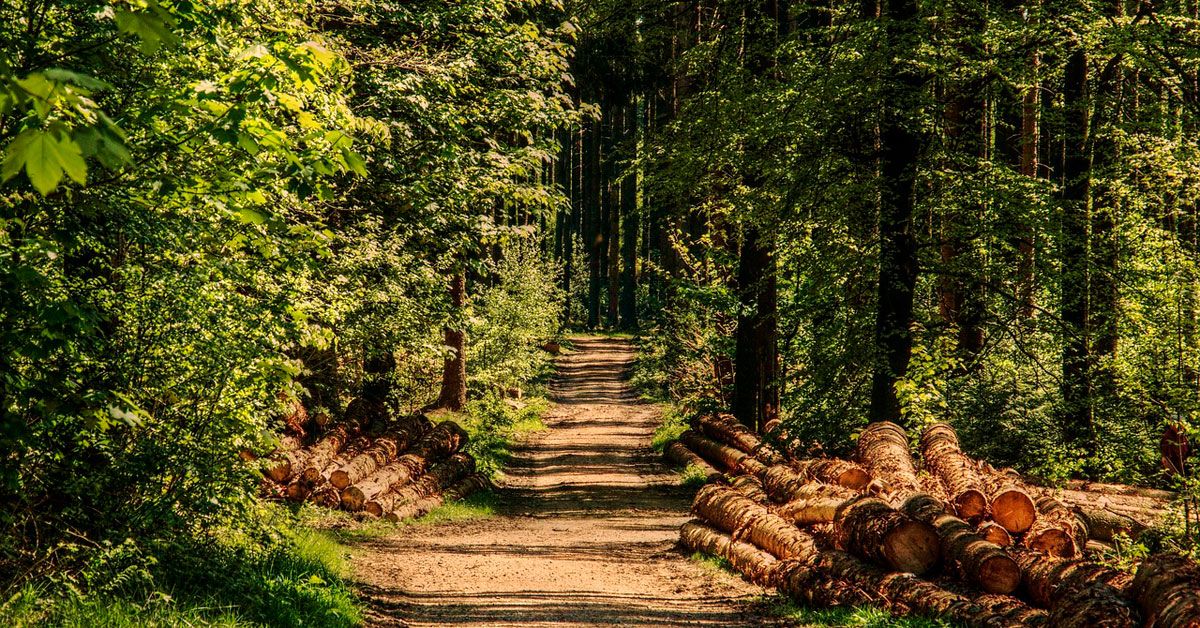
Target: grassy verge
[277, 577]
[865, 617]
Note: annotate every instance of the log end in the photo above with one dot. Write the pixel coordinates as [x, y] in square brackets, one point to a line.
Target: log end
[912, 547]
[999, 574]
[339, 479]
[373, 508]
[353, 499]
[1052, 542]
[279, 472]
[996, 534]
[971, 505]
[1014, 510]
[856, 479]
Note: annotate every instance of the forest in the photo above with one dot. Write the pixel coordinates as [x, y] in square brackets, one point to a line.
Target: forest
[280, 278]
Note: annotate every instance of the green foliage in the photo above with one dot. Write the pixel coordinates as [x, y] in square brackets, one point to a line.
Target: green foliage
[693, 477]
[673, 424]
[234, 579]
[495, 424]
[786, 609]
[210, 212]
[512, 317]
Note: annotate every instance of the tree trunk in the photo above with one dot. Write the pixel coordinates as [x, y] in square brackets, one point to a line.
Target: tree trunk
[901, 145]
[630, 226]
[454, 372]
[942, 457]
[756, 361]
[1076, 358]
[593, 234]
[883, 451]
[973, 557]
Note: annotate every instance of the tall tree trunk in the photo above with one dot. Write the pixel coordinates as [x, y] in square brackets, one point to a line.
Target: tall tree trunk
[629, 229]
[454, 370]
[1031, 113]
[901, 145]
[593, 237]
[613, 200]
[1077, 169]
[756, 360]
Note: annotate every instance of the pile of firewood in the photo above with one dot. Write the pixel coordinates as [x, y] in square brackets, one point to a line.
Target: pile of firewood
[957, 538]
[404, 468]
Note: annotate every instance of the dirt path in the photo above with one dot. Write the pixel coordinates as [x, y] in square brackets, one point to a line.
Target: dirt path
[585, 534]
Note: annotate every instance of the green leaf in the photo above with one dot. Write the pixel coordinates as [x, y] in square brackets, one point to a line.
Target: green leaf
[45, 158]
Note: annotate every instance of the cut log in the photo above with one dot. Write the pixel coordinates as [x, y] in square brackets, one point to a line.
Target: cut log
[995, 533]
[942, 456]
[326, 496]
[1121, 490]
[1057, 531]
[440, 442]
[873, 530]
[1105, 525]
[288, 465]
[756, 565]
[1167, 589]
[868, 528]
[972, 557]
[383, 450]
[1012, 502]
[883, 451]
[355, 496]
[723, 457]
[439, 479]
[750, 486]
[1079, 594]
[679, 454]
[461, 489]
[834, 471]
[316, 474]
[726, 429]
[783, 484]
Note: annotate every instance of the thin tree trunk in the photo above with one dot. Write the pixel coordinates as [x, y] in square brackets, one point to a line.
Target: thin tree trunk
[454, 371]
[630, 226]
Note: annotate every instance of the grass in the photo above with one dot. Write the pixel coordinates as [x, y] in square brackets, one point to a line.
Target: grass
[863, 617]
[297, 579]
[494, 426]
[714, 563]
[673, 424]
[693, 477]
[481, 505]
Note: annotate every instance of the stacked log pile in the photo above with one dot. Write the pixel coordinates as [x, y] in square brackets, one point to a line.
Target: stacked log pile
[951, 536]
[400, 469]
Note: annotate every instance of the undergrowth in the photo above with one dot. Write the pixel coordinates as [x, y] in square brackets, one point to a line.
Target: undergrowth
[495, 425]
[281, 575]
[864, 617]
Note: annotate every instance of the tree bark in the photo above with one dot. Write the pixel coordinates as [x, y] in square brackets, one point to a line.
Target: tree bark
[454, 370]
[630, 226]
[756, 361]
[941, 455]
[901, 145]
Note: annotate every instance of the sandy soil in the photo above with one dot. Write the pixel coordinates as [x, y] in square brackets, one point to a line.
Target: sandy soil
[585, 534]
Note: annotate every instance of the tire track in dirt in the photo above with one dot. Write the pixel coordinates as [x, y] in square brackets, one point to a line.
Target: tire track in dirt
[585, 534]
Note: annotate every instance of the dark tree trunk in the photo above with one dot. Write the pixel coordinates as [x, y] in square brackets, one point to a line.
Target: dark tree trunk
[454, 371]
[612, 185]
[901, 144]
[961, 301]
[593, 237]
[630, 226]
[756, 374]
[1076, 371]
[1031, 113]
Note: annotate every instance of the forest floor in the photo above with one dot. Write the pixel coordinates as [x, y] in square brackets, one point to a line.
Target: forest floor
[584, 532]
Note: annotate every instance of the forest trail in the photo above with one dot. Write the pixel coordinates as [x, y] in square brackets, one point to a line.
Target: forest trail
[585, 533]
